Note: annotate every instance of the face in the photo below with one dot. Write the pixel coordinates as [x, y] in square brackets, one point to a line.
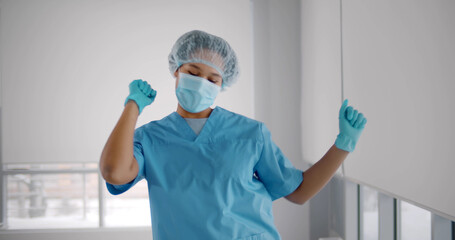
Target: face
[200, 70]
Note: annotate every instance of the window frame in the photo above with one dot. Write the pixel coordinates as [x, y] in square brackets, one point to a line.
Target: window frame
[5, 172]
[389, 211]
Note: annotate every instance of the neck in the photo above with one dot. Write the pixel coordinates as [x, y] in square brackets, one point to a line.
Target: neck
[185, 114]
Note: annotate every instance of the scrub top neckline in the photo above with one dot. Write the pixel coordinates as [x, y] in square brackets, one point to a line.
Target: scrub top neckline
[188, 133]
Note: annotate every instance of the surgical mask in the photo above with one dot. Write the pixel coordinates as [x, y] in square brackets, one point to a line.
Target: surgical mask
[195, 94]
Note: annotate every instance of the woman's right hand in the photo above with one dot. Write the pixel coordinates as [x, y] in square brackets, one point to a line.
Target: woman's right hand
[141, 93]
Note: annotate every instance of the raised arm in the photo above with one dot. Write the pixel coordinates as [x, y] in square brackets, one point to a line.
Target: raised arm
[117, 162]
[318, 175]
[351, 124]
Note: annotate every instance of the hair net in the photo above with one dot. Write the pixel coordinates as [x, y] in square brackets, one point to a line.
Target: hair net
[201, 47]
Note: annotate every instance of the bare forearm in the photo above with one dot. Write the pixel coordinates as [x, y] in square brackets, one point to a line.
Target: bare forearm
[318, 175]
[117, 163]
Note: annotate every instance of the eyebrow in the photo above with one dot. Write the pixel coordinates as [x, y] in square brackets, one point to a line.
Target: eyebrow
[214, 74]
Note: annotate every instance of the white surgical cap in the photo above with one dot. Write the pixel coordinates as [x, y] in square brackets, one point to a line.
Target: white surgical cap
[201, 47]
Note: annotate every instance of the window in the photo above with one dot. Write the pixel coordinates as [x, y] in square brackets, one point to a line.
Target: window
[132, 205]
[52, 200]
[49, 196]
[415, 222]
[369, 213]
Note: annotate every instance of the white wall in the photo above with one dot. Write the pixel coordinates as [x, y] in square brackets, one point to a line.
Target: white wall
[277, 95]
[320, 100]
[399, 69]
[277, 81]
[321, 76]
[66, 66]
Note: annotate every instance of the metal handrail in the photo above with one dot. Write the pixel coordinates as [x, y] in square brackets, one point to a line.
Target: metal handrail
[49, 171]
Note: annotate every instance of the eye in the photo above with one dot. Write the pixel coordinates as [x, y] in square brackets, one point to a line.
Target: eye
[213, 81]
[192, 73]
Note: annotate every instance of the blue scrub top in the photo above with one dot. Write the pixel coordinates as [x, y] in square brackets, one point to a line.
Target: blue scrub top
[219, 184]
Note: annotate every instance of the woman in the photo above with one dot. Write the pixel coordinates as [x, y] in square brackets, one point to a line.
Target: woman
[211, 173]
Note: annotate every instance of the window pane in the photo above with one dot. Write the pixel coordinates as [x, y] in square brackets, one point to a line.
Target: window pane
[415, 222]
[52, 201]
[130, 208]
[370, 215]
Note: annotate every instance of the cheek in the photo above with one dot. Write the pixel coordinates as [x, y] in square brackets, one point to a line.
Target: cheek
[176, 75]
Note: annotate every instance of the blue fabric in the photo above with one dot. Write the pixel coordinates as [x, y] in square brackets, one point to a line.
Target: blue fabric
[219, 184]
[196, 124]
[194, 93]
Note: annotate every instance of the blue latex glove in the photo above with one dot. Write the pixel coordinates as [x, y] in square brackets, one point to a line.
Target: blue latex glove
[351, 125]
[141, 93]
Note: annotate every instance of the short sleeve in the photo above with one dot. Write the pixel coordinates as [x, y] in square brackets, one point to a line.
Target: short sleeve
[274, 170]
[139, 155]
